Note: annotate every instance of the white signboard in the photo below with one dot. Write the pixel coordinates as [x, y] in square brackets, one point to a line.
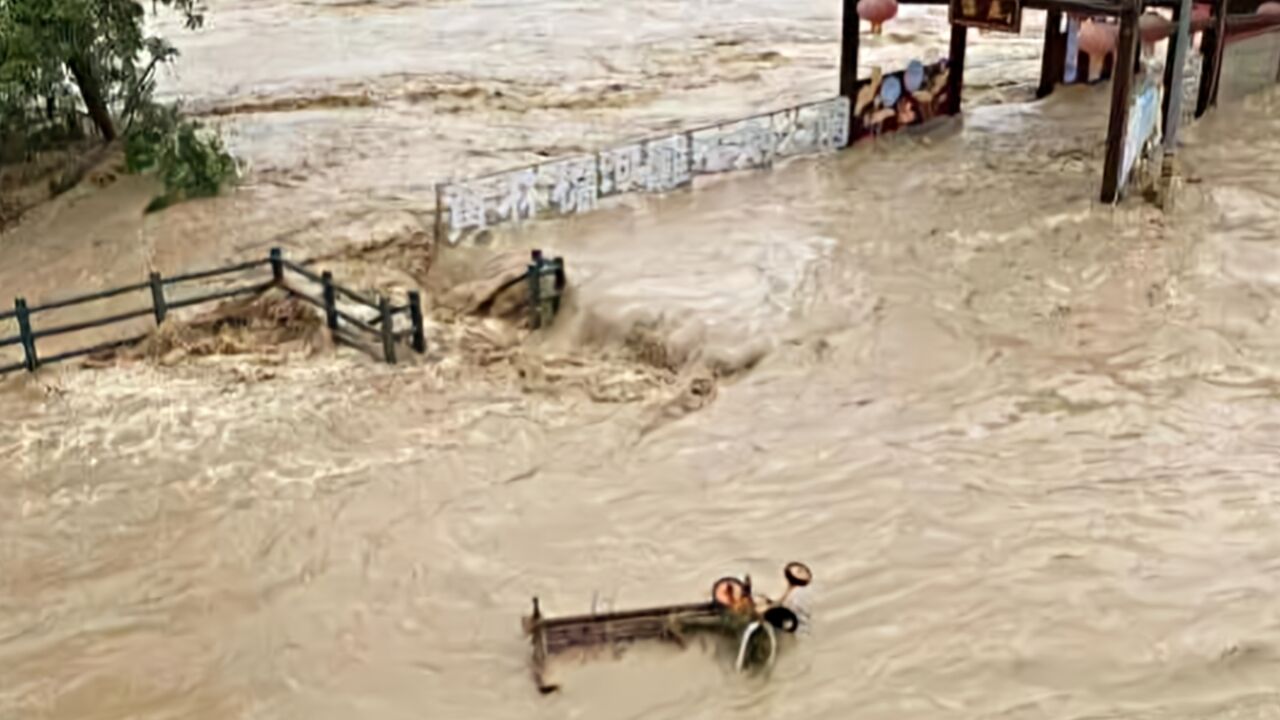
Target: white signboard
[1072, 69]
[651, 166]
[756, 142]
[563, 187]
[1144, 126]
[468, 208]
[813, 129]
[735, 146]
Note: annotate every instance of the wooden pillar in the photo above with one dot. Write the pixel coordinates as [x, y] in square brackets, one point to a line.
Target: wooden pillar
[1213, 45]
[851, 26]
[1053, 63]
[1121, 92]
[850, 34]
[955, 77]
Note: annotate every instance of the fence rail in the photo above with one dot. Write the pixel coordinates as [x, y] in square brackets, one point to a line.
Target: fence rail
[161, 304]
[544, 302]
[546, 278]
[91, 297]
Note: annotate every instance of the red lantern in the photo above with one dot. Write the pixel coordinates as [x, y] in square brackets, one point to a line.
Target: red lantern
[1097, 40]
[877, 12]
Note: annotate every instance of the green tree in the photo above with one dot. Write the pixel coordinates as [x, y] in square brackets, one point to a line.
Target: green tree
[97, 46]
[61, 55]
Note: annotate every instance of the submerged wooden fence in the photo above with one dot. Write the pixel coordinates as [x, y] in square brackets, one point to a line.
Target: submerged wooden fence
[381, 326]
[545, 278]
[544, 301]
[340, 322]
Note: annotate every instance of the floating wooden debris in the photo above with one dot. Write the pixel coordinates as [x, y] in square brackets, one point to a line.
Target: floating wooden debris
[732, 611]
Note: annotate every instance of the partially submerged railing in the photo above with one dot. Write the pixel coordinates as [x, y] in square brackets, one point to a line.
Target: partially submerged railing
[341, 322]
[29, 335]
[545, 277]
[381, 326]
[547, 281]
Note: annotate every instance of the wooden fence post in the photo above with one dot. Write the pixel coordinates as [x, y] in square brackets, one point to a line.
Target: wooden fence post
[277, 265]
[415, 314]
[330, 301]
[158, 304]
[24, 330]
[534, 278]
[560, 282]
[388, 334]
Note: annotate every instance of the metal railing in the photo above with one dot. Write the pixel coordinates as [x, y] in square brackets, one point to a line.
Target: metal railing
[544, 301]
[381, 326]
[340, 322]
[545, 277]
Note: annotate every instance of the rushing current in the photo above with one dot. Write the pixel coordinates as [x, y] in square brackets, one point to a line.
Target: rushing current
[1025, 442]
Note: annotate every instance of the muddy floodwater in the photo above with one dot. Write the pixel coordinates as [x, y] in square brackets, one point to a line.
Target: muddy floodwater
[1028, 444]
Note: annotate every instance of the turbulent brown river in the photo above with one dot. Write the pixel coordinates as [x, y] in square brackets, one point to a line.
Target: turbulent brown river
[1026, 442]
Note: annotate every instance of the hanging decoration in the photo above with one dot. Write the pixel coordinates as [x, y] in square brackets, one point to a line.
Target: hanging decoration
[877, 12]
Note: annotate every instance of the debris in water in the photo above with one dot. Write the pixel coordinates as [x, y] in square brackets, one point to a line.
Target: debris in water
[751, 621]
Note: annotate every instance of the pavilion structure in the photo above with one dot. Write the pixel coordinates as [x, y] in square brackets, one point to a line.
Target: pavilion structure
[1219, 27]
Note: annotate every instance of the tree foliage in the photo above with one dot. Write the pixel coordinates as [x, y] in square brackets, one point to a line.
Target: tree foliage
[190, 160]
[63, 58]
[99, 46]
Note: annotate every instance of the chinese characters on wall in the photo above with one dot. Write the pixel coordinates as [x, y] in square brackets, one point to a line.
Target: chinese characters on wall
[756, 142]
[651, 166]
[575, 185]
[565, 187]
